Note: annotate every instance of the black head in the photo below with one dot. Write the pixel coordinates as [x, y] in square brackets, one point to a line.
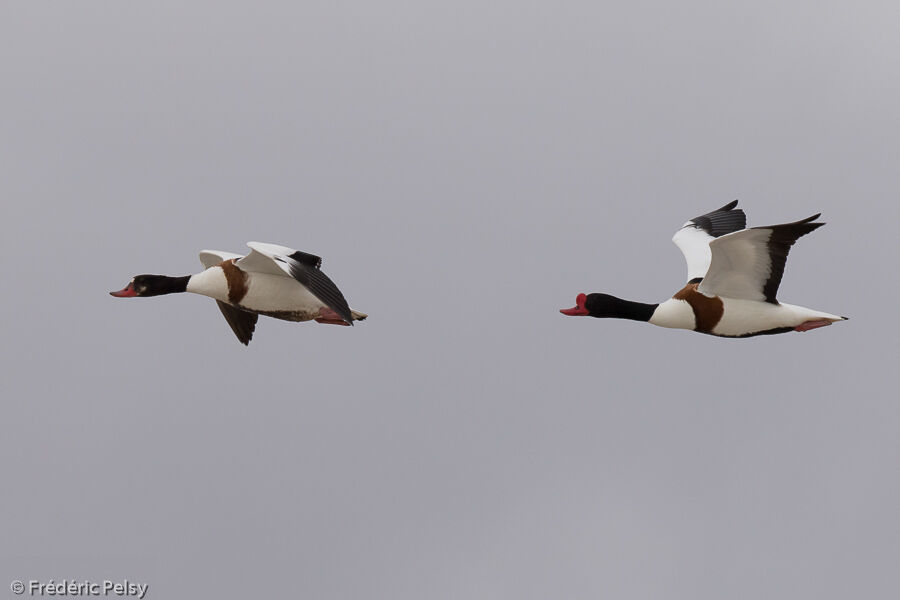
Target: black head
[152, 285]
[606, 306]
[593, 305]
[603, 305]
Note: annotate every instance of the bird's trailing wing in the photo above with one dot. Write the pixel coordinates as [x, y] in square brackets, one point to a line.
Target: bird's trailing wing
[694, 237]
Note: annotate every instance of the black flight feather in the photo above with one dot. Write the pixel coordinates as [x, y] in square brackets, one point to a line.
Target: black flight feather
[727, 219]
[242, 323]
[780, 242]
[307, 259]
[319, 284]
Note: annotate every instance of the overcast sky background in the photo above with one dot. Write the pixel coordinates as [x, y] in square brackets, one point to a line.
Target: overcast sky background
[465, 169]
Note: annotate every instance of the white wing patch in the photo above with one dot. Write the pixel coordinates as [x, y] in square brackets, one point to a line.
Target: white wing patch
[694, 244]
[740, 265]
[262, 259]
[211, 258]
[270, 249]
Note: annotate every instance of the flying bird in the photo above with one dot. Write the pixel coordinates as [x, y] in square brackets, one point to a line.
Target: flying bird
[272, 280]
[733, 278]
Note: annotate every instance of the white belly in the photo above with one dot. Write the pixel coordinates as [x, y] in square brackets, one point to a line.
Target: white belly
[274, 293]
[265, 293]
[741, 317]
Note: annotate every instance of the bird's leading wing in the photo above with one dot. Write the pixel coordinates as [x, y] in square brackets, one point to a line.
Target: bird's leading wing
[749, 264]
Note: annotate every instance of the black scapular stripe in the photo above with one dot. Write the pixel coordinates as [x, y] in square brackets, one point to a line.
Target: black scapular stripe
[727, 219]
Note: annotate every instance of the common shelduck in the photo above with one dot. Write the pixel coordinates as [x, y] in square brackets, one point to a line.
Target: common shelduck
[733, 277]
[272, 280]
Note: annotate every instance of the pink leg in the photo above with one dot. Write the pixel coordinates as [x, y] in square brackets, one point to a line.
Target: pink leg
[806, 326]
[329, 317]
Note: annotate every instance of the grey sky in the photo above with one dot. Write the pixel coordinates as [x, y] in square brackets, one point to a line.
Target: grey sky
[465, 170]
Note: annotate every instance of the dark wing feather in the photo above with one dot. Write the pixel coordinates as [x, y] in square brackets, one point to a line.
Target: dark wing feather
[243, 323]
[320, 285]
[727, 219]
[307, 259]
[780, 242]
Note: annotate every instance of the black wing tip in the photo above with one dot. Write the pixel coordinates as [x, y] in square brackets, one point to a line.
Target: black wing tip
[728, 206]
[798, 228]
[809, 219]
[244, 337]
[804, 227]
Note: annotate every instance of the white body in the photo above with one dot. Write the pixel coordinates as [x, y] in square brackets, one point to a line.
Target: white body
[735, 268]
[740, 317]
[271, 289]
[265, 292]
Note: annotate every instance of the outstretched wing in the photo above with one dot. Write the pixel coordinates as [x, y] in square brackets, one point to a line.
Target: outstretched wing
[694, 237]
[303, 267]
[749, 264]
